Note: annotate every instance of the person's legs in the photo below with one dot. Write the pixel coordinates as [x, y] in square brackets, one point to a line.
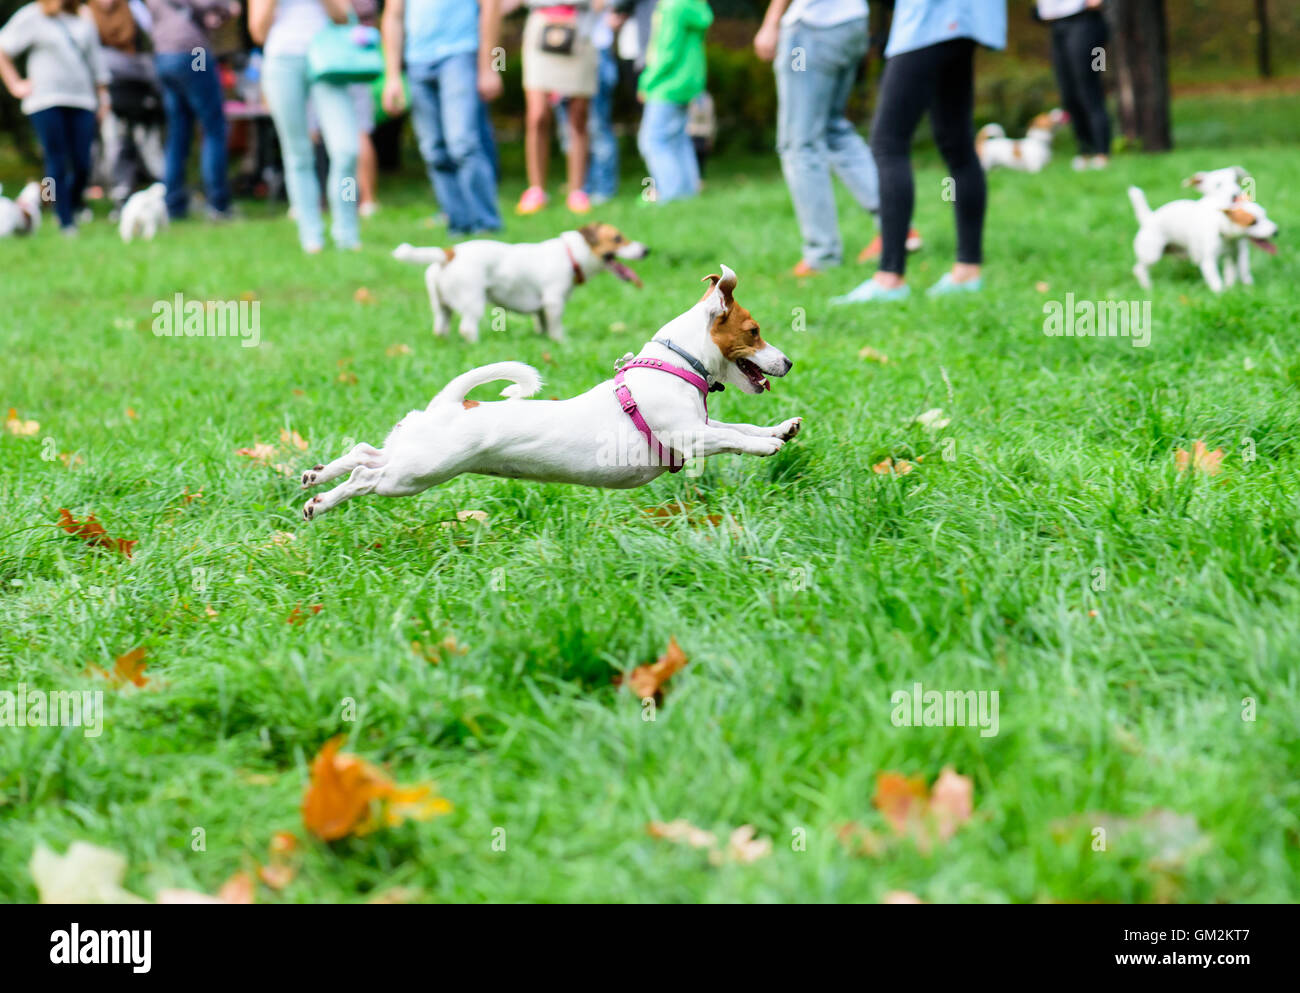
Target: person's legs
[663, 125]
[602, 171]
[579, 108]
[1065, 83]
[206, 101]
[48, 125]
[81, 128]
[1085, 38]
[468, 163]
[117, 148]
[952, 110]
[426, 116]
[537, 138]
[905, 91]
[850, 157]
[284, 84]
[338, 128]
[804, 91]
[172, 71]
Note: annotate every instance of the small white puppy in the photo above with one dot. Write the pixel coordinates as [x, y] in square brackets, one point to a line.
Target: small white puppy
[1203, 230]
[1028, 154]
[531, 278]
[595, 439]
[144, 214]
[22, 214]
[1222, 186]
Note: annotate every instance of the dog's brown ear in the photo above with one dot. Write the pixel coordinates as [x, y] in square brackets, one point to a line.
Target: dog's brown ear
[726, 284]
[1240, 217]
[1194, 180]
[591, 233]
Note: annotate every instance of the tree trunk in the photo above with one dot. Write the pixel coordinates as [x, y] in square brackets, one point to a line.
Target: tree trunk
[1261, 18]
[1139, 51]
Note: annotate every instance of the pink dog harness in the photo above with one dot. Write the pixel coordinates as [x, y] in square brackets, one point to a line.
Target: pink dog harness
[665, 456]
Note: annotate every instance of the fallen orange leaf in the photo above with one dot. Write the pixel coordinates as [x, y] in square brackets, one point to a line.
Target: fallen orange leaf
[900, 799]
[15, 425]
[276, 876]
[647, 681]
[345, 789]
[889, 466]
[297, 616]
[1199, 460]
[914, 812]
[92, 533]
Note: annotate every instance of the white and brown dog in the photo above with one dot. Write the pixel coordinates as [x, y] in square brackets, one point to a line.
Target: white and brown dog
[1028, 154]
[144, 214]
[1223, 186]
[1204, 230]
[531, 278]
[594, 439]
[22, 214]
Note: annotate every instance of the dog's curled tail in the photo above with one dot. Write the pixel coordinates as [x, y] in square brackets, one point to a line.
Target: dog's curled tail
[421, 256]
[990, 131]
[524, 379]
[1140, 205]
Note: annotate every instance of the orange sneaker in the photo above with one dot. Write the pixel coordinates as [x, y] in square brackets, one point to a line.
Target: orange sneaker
[803, 270]
[533, 200]
[872, 251]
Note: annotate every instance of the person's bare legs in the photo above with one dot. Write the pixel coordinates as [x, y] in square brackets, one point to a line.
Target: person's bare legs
[367, 169]
[537, 147]
[578, 142]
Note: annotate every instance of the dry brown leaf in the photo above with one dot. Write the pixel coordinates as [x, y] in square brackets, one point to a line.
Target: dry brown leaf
[923, 815]
[276, 876]
[292, 439]
[128, 668]
[900, 799]
[392, 351]
[951, 802]
[681, 832]
[92, 533]
[296, 616]
[1199, 459]
[889, 467]
[742, 847]
[647, 681]
[900, 896]
[363, 295]
[872, 355]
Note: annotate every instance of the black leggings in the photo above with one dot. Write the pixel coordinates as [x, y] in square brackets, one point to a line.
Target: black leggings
[941, 79]
[1074, 40]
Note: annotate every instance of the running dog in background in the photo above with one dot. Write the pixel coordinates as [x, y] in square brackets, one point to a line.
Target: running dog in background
[527, 279]
[1028, 154]
[22, 214]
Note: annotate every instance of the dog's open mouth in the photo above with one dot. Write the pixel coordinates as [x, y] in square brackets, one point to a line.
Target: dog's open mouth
[753, 374]
[1266, 245]
[623, 272]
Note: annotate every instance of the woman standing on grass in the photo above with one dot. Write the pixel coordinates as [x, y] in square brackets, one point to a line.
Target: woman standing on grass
[285, 29]
[931, 66]
[1078, 33]
[560, 60]
[66, 89]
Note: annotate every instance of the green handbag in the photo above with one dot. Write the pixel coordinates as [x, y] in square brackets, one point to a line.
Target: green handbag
[345, 53]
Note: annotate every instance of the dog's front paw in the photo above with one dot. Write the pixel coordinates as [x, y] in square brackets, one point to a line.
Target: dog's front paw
[310, 476]
[788, 429]
[309, 508]
[764, 447]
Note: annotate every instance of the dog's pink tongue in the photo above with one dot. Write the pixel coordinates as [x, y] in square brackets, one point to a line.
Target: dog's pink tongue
[624, 273]
[1266, 245]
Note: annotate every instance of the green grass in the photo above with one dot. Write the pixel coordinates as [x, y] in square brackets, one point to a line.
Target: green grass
[836, 588]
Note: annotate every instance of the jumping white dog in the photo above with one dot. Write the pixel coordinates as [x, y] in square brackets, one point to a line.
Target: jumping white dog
[621, 434]
[144, 214]
[22, 214]
[1204, 230]
[1028, 154]
[532, 278]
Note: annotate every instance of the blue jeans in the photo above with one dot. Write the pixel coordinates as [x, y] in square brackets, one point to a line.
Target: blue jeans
[66, 135]
[453, 132]
[286, 88]
[602, 151]
[191, 95]
[814, 138]
[668, 151]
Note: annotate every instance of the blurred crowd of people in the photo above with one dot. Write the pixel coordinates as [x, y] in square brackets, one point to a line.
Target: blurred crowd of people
[115, 90]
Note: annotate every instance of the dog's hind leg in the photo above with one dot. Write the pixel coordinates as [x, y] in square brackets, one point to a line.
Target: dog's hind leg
[363, 454]
[441, 314]
[551, 318]
[1210, 270]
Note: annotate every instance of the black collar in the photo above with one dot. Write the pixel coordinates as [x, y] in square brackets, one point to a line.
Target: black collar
[696, 364]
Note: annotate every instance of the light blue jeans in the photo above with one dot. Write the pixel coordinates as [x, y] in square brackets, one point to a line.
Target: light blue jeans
[815, 69]
[668, 151]
[287, 89]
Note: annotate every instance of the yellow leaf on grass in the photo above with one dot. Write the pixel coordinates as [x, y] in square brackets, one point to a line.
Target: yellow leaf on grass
[15, 425]
[647, 681]
[681, 832]
[891, 468]
[1199, 459]
[873, 355]
[85, 873]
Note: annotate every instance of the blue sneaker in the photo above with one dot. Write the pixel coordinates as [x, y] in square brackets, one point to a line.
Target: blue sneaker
[869, 291]
[946, 286]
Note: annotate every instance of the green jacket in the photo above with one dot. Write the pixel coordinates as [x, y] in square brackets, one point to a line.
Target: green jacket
[675, 64]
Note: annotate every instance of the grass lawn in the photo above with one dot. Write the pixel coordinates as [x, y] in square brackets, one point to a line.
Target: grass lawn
[1045, 547]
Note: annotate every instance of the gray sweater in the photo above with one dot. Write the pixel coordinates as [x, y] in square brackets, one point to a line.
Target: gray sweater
[63, 59]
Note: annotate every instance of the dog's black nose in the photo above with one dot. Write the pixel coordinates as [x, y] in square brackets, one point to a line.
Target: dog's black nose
[788, 366]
